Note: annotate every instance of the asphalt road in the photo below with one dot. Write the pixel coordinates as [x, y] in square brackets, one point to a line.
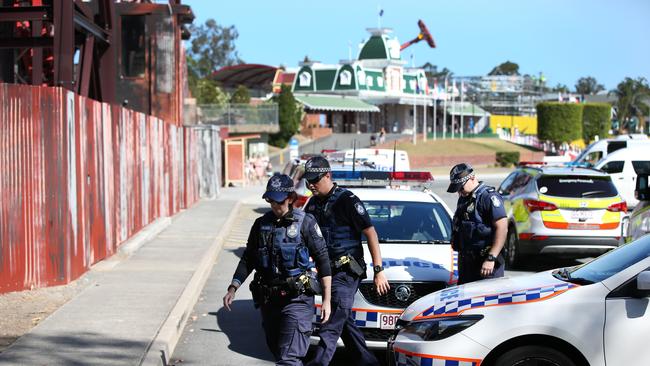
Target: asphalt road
[215, 336]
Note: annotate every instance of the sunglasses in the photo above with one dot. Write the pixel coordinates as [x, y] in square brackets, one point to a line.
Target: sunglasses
[268, 200]
[315, 180]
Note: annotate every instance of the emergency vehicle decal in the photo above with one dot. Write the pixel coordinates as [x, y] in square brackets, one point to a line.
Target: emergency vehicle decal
[406, 358]
[453, 275]
[367, 318]
[447, 308]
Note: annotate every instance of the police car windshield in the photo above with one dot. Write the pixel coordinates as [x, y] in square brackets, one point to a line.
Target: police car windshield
[409, 222]
[613, 262]
[576, 186]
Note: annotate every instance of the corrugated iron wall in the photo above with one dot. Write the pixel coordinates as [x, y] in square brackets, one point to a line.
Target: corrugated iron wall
[79, 177]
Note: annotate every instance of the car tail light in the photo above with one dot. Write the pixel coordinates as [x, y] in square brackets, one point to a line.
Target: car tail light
[525, 236]
[618, 207]
[540, 237]
[534, 205]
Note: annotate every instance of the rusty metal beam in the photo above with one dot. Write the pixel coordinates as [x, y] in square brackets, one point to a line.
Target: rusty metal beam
[86, 65]
[37, 55]
[63, 43]
[89, 26]
[27, 42]
[22, 13]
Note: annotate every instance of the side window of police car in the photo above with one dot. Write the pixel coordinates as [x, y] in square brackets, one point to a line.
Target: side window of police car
[506, 185]
[613, 167]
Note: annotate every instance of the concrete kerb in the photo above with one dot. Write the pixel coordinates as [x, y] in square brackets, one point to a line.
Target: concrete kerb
[134, 243]
[162, 346]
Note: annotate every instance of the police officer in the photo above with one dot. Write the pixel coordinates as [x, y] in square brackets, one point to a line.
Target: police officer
[343, 219]
[279, 247]
[479, 227]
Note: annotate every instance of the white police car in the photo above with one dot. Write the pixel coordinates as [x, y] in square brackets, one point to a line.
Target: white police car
[595, 314]
[414, 230]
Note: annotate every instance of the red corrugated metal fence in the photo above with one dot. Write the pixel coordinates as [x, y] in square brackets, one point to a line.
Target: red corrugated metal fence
[79, 177]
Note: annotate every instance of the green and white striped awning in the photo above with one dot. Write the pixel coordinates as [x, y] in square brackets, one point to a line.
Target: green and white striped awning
[466, 109]
[335, 103]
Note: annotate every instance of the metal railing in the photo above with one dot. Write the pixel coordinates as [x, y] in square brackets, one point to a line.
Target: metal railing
[239, 114]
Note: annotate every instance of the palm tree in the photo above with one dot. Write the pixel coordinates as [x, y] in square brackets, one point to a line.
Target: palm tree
[631, 95]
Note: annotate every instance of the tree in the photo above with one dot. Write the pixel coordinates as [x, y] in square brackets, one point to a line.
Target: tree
[596, 120]
[212, 47]
[588, 86]
[561, 88]
[506, 68]
[631, 94]
[559, 122]
[289, 114]
[208, 92]
[241, 95]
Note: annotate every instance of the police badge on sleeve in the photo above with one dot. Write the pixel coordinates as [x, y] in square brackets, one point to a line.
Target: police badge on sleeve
[496, 202]
[317, 230]
[360, 209]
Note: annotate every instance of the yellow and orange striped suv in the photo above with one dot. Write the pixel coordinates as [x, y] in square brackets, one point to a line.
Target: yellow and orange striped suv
[567, 212]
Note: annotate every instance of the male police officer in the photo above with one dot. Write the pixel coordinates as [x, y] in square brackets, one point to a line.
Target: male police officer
[343, 219]
[479, 227]
[278, 248]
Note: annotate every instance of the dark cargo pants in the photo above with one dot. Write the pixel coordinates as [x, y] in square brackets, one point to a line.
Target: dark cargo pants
[287, 326]
[341, 324]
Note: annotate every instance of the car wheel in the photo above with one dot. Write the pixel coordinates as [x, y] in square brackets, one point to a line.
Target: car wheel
[513, 258]
[534, 356]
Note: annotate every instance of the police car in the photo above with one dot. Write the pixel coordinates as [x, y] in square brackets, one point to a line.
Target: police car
[569, 212]
[596, 314]
[414, 230]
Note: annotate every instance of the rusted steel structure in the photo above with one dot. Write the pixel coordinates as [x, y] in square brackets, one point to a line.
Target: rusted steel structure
[78, 177]
[126, 53]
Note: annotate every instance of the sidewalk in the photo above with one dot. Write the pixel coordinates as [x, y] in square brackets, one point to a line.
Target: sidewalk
[136, 308]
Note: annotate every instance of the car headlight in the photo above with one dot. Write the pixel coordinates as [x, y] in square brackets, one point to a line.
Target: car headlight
[440, 328]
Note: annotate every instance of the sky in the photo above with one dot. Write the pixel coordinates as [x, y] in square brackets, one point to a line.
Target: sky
[563, 39]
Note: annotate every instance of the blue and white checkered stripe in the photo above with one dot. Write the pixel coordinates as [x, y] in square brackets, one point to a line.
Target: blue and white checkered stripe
[454, 267]
[366, 319]
[453, 307]
[409, 360]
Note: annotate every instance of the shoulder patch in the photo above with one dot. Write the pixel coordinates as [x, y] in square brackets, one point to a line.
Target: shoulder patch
[496, 202]
[360, 209]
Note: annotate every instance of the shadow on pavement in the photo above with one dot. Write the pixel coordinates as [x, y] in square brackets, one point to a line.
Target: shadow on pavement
[73, 349]
[243, 326]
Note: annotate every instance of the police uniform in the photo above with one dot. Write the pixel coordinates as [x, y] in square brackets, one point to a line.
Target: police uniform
[342, 217]
[279, 250]
[473, 231]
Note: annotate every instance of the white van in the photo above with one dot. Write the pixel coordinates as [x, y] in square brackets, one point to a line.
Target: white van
[376, 159]
[623, 166]
[598, 150]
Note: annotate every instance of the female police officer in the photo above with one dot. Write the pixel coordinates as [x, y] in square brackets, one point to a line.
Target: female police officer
[278, 249]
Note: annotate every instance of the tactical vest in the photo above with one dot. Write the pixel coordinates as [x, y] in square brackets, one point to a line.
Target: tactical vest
[282, 253]
[469, 227]
[340, 239]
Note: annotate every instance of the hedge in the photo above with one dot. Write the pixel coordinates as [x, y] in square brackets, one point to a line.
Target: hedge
[507, 158]
[559, 122]
[596, 121]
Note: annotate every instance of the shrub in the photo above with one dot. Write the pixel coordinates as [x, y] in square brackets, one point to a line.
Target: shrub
[559, 122]
[507, 158]
[596, 121]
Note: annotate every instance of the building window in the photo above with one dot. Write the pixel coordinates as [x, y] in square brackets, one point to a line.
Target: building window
[380, 82]
[305, 79]
[345, 77]
[361, 75]
[133, 46]
[369, 81]
[412, 84]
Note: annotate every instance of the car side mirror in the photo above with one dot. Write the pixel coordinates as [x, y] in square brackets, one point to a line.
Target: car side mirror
[642, 191]
[643, 281]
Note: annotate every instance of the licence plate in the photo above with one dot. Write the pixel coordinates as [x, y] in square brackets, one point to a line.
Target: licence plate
[387, 321]
[582, 215]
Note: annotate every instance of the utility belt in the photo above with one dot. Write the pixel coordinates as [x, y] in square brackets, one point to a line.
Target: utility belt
[281, 289]
[481, 254]
[348, 263]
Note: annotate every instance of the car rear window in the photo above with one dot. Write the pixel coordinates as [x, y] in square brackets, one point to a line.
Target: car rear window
[576, 186]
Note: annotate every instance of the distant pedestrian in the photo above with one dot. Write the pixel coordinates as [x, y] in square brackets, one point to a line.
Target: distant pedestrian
[479, 226]
[279, 249]
[382, 135]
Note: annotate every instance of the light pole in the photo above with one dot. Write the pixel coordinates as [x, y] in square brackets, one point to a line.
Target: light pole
[444, 111]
